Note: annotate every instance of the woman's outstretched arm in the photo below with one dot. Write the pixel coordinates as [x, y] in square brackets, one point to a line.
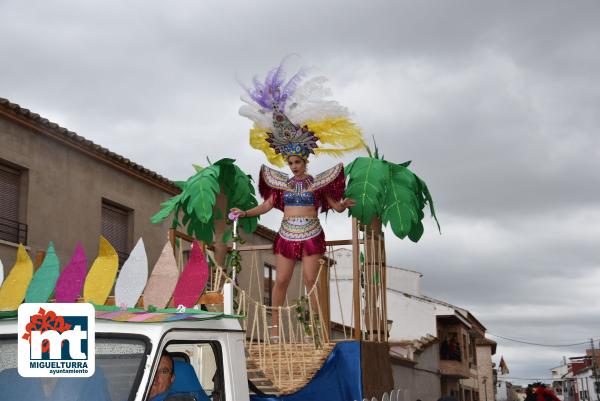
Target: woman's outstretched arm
[255, 211]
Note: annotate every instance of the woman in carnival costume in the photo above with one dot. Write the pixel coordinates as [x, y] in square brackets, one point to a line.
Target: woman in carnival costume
[293, 120]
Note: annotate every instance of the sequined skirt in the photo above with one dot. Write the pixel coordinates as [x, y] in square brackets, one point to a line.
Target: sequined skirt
[298, 237]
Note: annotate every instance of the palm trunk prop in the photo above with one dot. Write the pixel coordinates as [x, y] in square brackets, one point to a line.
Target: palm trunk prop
[390, 192]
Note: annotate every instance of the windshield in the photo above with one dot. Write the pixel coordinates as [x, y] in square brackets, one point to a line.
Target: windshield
[118, 361]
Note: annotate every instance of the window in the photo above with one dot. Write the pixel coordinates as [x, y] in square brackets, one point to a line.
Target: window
[120, 362]
[115, 228]
[198, 369]
[10, 184]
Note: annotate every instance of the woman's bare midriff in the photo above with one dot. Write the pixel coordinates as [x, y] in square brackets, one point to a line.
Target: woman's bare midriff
[299, 211]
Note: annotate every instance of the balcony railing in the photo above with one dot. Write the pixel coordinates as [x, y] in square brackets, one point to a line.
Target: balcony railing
[13, 231]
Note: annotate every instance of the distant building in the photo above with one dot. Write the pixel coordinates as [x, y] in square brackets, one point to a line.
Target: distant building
[563, 382]
[586, 386]
[440, 341]
[58, 186]
[573, 379]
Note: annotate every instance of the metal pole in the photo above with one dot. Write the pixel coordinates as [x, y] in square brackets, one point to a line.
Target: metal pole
[234, 246]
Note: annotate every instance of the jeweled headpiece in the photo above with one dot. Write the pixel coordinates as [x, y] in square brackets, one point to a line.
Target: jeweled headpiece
[291, 116]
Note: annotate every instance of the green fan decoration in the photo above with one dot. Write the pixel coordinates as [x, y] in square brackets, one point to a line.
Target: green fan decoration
[390, 192]
[198, 197]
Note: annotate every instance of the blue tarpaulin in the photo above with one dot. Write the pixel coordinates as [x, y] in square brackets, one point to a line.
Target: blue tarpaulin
[339, 379]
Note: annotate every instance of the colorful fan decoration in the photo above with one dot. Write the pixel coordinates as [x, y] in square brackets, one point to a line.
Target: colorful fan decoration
[44, 280]
[163, 279]
[14, 287]
[193, 278]
[133, 277]
[101, 277]
[164, 284]
[70, 282]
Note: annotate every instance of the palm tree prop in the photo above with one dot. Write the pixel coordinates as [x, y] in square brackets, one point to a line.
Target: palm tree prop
[390, 192]
[198, 197]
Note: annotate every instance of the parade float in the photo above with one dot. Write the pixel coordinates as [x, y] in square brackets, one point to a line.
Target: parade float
[191, 300]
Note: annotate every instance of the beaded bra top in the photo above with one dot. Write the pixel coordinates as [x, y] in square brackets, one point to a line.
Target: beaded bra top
[310, 191]
[298, 194]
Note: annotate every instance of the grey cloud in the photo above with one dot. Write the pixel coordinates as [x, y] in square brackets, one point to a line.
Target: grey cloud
[496, 104]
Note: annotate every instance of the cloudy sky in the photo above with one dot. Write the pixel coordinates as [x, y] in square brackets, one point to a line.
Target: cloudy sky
[496, 104]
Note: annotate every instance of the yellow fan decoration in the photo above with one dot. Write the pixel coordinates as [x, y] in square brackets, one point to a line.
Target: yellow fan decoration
[15, 285]
[101, 277]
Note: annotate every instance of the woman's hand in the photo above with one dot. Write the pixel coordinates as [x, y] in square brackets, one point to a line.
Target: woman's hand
[239, 212]
[346, 203]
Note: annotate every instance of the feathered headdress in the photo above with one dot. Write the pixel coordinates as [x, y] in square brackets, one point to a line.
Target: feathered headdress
[291, 116]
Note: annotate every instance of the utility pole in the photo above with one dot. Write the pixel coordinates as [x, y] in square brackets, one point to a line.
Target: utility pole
[596, 385]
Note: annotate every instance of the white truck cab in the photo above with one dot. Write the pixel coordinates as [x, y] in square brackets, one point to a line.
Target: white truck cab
[210, 352]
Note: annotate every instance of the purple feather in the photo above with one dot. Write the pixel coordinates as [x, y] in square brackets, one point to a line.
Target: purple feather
[274, 89]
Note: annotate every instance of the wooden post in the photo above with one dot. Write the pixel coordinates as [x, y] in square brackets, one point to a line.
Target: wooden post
[384, 286]
[172, 240]
[220, 248]
[356, 279]
[39, 258]
[373, 257]
[323, 288]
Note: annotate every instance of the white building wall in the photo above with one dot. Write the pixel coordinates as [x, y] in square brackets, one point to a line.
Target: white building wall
[412, 317]
[501, 390]
[485, 373]
[584, 385]
[399, 279]
[403, 280]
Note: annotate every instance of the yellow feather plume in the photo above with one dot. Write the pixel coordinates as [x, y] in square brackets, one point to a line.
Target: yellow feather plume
[258, 140]
[341, 134]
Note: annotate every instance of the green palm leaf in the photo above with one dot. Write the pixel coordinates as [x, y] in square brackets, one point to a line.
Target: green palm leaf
[402, 208]
[168, 207]
[237, 187]
[368, 179]
[197, 199]
[202, 192]
[389, 191]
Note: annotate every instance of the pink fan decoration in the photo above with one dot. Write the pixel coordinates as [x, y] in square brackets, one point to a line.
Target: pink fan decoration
[193, 279]
[70, 282]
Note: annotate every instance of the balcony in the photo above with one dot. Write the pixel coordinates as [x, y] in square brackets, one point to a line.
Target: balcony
[13, 231]
[455, 369]
[454, 347]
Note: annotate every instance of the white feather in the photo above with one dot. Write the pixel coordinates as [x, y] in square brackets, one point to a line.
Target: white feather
[262, 118]
[310, 103]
